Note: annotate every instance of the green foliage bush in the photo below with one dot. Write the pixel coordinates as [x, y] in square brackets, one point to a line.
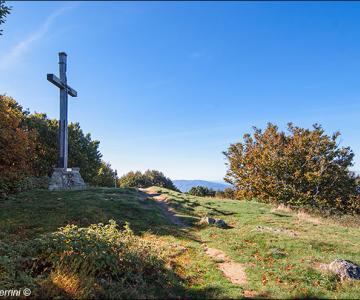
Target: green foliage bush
[149, 178]
[105, 176]
[303, 168]
[103, 261]
[32, 182]
[228, 193]
[201, 191]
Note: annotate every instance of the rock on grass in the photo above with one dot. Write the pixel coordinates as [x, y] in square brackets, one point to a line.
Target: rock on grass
[345, 269]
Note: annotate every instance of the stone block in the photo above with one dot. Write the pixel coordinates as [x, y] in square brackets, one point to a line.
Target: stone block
[66, 179]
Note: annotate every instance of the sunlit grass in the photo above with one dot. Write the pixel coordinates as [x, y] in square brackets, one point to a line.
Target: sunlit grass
[277, 265]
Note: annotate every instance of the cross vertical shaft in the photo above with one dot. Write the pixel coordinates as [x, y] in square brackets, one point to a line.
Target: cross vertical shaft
[62, 177]
[65, 90]
[63, 133]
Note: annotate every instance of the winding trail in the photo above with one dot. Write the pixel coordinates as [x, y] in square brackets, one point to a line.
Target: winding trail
[161, 200]
[232, 270]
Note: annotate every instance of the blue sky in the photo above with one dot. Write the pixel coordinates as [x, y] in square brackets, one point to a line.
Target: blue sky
[169, 85]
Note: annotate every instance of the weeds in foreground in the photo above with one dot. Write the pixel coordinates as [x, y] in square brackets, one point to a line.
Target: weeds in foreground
[90, 262]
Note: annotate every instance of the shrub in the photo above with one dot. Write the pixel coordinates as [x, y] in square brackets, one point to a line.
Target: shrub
[302, 168]
[149, 178]
[228, 193]
[98, 261]
[32, 182]
[201, 191]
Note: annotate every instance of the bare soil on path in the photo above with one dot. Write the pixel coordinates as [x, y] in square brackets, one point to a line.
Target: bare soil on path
[161, 200]
[234, 271]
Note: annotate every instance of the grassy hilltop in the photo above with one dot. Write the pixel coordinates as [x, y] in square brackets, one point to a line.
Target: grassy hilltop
[278, 264]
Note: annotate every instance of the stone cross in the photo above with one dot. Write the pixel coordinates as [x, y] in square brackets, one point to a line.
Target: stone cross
[65, 89]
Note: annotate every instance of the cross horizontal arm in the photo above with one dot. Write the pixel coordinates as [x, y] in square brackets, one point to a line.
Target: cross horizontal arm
[56, 81]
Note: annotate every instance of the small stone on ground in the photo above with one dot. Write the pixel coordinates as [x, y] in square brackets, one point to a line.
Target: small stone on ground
[345, 269]
[211, 221]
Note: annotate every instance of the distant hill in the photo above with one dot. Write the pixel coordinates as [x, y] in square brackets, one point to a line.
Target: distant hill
[186, 185]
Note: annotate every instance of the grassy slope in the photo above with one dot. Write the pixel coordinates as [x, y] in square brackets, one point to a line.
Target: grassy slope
[29, 214]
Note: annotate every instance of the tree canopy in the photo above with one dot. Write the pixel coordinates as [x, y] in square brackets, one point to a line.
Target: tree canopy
[29, 147]
[149, 178]
[201, 191]
[17, 145]
[304, 167]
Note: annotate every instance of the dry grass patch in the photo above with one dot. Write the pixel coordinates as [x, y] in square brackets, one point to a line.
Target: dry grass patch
[282, 208]
[304, 216]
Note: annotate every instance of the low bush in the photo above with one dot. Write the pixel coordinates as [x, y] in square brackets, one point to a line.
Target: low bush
[32, 182]
[201, 191]
[228, 193]
[99, 261]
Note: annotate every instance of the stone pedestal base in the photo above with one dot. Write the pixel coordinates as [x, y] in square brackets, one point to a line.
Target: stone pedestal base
[66, 179]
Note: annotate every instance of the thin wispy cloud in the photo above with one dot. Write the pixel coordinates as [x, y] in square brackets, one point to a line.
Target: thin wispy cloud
[17, 51]
[199, 55]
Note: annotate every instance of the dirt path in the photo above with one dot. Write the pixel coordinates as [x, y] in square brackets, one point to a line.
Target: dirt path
[234, 271]
[161, 200]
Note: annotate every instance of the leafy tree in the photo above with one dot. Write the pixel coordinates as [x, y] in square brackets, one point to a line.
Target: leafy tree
[304, 167]
[134, 179]
[84, 153]
[29, 147]
[201, 191]
[16, 145]
[4, 11]
[105, 175]
[149, 178]
[46, 151]
[157, 178]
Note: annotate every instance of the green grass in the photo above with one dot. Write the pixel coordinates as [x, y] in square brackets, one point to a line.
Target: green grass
[289, 274]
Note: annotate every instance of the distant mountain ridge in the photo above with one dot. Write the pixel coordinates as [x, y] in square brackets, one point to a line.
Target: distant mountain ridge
[186, 185]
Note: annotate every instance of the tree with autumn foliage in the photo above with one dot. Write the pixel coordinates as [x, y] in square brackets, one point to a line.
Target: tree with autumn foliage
[29, 150]
[304, 167]
[16, 145]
